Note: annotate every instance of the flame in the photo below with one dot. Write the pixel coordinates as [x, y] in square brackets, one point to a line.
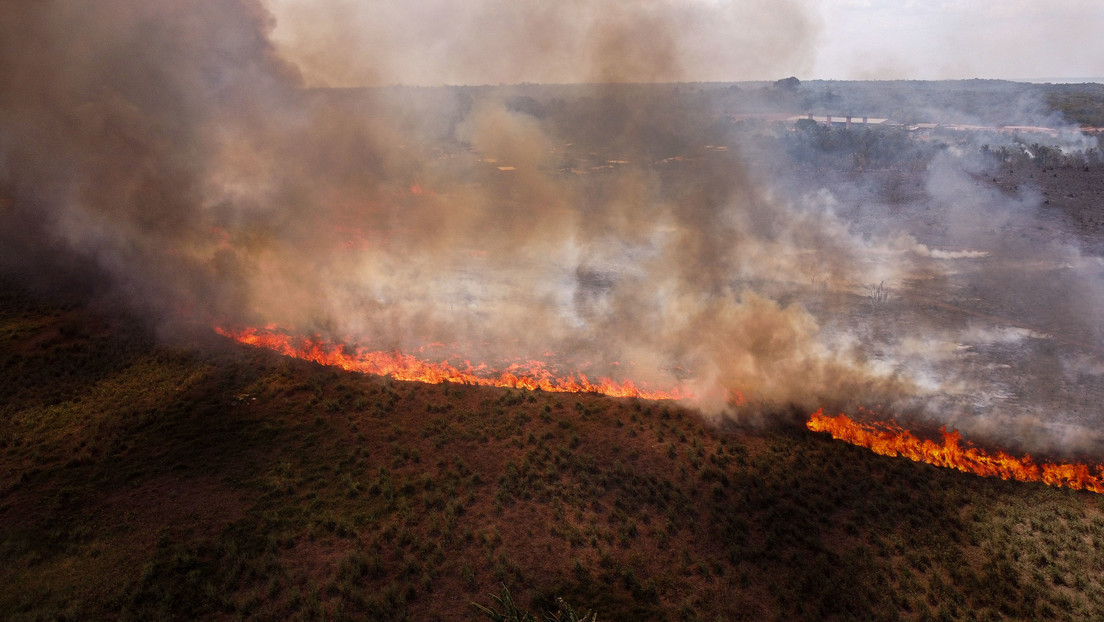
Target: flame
[531, 375]
[889, 439]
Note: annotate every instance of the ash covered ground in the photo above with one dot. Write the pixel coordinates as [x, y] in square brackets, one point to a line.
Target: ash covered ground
[1002, 316]
[708, 235]
[980, 274]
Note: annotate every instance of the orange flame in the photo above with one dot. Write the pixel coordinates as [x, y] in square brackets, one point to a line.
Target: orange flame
[532, 375]
[889, 439]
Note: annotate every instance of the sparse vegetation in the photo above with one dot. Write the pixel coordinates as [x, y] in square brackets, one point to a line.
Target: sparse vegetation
[142, 481]
[512, 613]
[877, 295]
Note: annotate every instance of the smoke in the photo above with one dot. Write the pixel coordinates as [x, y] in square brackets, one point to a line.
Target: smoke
[990, 312]
[434, 42]
[174, 160]
[113, 117]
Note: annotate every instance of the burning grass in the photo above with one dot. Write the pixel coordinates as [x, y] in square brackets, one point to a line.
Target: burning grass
[531, 375]
[887, 439]
[259, 487]
[890, 439]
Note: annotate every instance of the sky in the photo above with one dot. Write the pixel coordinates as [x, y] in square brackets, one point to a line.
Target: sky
[1008, 39]
[432, 42]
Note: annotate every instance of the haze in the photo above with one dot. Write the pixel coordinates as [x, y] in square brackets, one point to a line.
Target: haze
[432, 42]
[166, 159]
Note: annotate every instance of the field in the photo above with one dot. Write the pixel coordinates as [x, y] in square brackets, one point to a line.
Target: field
[209, 480]
[555, 196]
[156, 470]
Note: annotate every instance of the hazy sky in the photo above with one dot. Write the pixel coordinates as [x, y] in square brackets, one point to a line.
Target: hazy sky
[1014, 39]
[357, 42]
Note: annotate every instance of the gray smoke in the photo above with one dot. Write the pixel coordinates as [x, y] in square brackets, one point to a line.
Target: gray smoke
[433, 42]
[174, 158]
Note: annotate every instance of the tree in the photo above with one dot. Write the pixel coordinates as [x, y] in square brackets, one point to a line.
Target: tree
[789, 84]
[805, 125]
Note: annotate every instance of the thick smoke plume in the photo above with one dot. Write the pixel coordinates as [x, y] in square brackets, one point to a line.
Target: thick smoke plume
[170, 157]
[354, 43]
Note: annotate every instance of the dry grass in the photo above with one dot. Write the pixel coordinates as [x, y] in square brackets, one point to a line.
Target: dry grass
[139, 481]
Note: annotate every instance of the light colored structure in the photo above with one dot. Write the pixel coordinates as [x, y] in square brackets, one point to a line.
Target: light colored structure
[845, 120]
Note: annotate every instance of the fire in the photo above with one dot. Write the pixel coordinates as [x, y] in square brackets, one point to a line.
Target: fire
[889, 439]
[532, 375]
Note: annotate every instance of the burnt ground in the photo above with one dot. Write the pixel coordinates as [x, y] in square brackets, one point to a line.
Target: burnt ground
[147, 481]
[143, 481]
[140, 480]
[1011, 336]
[1076, 192]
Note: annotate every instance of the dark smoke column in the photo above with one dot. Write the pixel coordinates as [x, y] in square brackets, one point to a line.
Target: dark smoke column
[115, 117]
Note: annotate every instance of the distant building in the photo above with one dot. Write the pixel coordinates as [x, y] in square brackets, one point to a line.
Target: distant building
[1027, 129]
[843, 120]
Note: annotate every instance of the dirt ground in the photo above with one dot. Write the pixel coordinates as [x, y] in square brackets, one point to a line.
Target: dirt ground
[1074, 192]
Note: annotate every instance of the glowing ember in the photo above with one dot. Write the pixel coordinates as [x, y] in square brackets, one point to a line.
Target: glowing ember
[889, 439]
[532, 375]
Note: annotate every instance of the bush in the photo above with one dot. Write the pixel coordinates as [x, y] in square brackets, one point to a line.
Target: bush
[511, 613]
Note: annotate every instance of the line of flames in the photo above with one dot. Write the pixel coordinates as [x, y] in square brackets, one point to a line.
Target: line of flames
[885, 438]
[531, 375]
[889, 439]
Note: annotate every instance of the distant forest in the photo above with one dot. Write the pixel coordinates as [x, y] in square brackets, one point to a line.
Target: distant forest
[982, 102]
[658, 122]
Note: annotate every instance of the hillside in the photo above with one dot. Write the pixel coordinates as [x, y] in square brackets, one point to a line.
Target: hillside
[212, 481]
[687, 270]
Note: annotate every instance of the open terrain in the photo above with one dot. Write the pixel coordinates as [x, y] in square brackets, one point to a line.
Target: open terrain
[209, 480]
[149, 473]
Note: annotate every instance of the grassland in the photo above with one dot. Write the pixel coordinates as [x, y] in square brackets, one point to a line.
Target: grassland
[145, 479]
